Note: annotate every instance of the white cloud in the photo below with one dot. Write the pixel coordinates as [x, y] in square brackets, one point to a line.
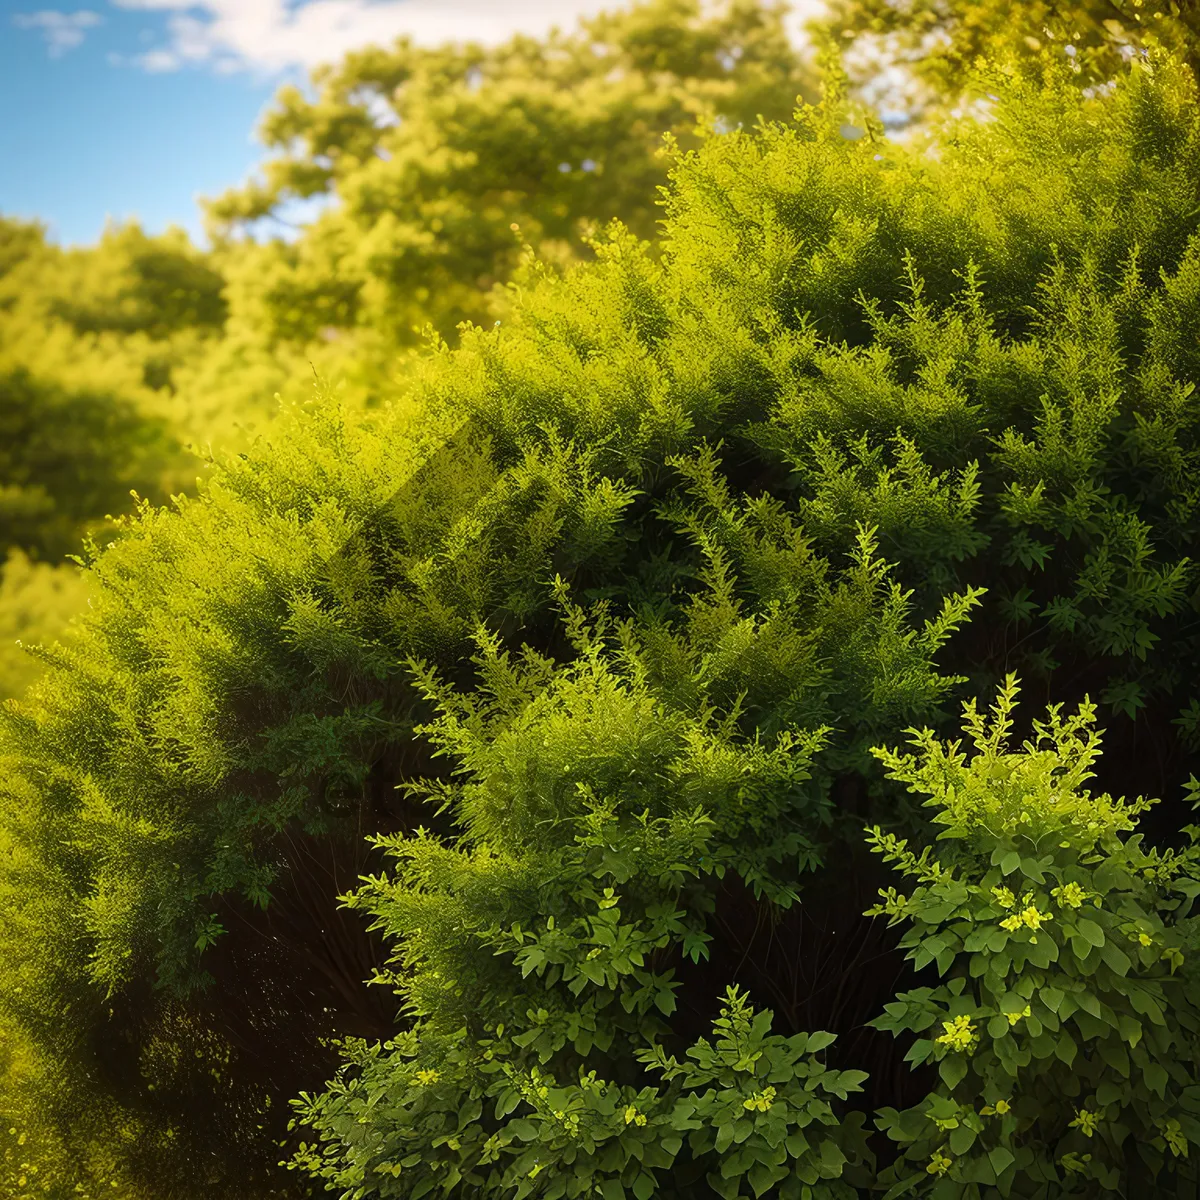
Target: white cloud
[62, 31]
[158, 62]
[274, 35]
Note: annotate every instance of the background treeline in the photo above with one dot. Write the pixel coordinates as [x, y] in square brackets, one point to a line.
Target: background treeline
[772, 441]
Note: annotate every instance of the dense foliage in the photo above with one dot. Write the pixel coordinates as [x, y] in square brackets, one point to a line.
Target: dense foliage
[603, 631]
[1046, 926]
[114, 358]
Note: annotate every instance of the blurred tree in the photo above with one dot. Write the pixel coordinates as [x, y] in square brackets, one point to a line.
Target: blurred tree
[37, 600]
[435, 166]
[68, 458]
[18, 240]
[121, 317]
[90, 340]
[133, 283]
[937, 43]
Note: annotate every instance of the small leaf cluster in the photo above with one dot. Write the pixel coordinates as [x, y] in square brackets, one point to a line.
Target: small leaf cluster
[748, 1113]
[1064, 1033]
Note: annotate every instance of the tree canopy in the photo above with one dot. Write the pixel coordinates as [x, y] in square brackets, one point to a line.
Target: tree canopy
[438, 164]
[91, 343]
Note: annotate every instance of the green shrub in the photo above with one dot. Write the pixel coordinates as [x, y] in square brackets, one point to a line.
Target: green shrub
[1064, 1032]
[1065, 1035]
[629, 588]
[598, 812]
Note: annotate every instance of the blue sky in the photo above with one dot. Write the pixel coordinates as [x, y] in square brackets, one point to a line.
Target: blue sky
[83, 138]
[134, 108]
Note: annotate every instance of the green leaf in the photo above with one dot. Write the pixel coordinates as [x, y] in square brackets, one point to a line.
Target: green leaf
[1001, 1159]
[1090, 931]
[1051, 997]
[975, 1170]
[1010, 862]
[1115, 958]
[941, 1108]
[1117, 1057]
[902, 1188]
[796, 1143]
[1043, 1044]
[1156, 1078]
[1066, 1049]
[1110, 876]
[1145, 1004]
[1032, 868]
[962, 1139]
[1129, 1029]
[760, 1178]
[832, 1157]
[919, 1051]
[953, 1070]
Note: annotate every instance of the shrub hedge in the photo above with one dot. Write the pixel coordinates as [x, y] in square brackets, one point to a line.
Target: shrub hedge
[604, 637]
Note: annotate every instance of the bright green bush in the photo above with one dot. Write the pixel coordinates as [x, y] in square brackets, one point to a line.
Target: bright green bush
[1065, 1035]
[879, 425]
